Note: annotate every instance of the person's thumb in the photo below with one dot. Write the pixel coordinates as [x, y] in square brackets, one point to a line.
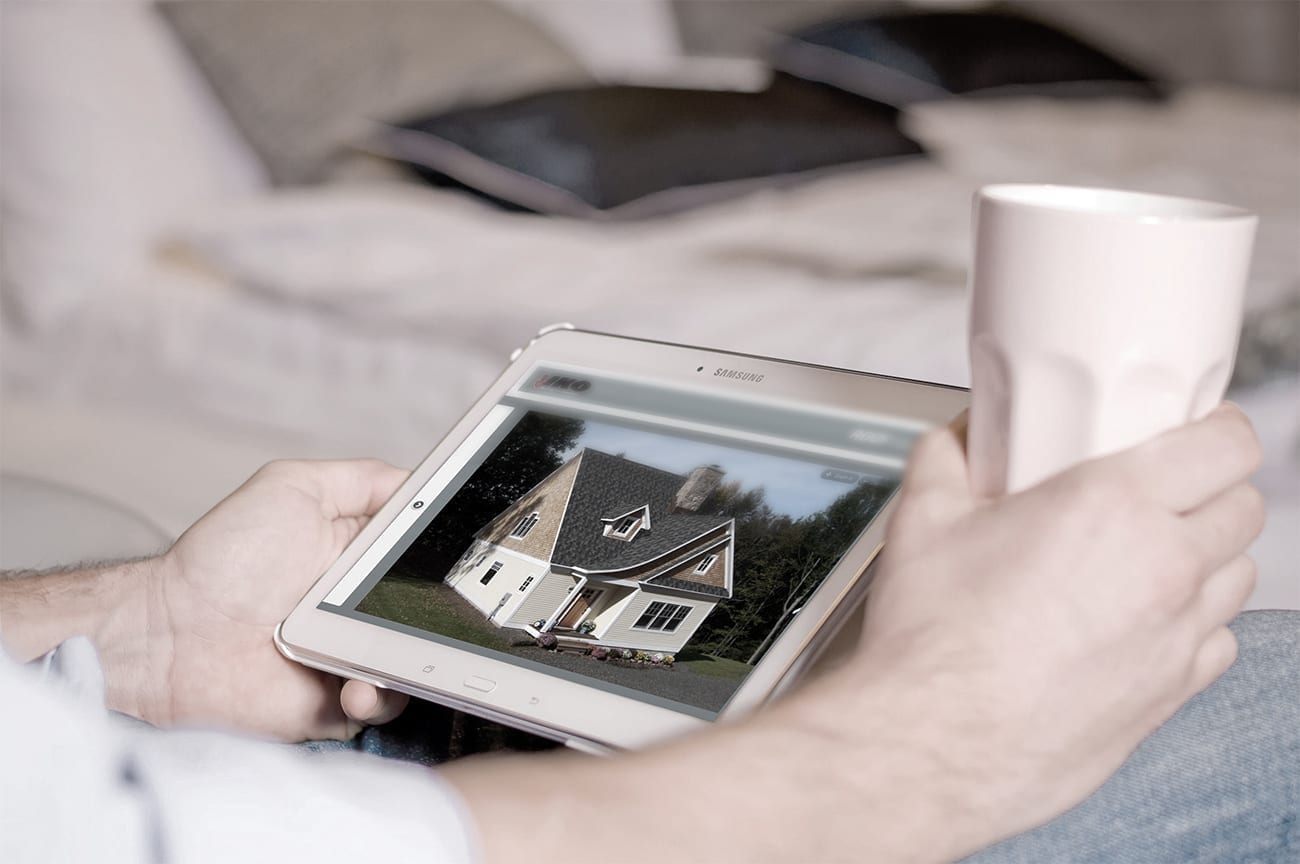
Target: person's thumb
[370, 705]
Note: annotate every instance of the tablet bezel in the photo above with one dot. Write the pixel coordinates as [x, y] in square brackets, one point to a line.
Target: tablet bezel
[580, 715]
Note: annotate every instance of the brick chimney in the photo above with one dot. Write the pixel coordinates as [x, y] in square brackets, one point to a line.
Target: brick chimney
[699, 484]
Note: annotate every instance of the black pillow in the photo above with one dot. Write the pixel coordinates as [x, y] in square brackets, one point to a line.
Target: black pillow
[638, 151]
[904, 58]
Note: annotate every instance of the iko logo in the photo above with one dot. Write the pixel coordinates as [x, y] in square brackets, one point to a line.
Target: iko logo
[869, 436]
[559, 382]
[738, 374]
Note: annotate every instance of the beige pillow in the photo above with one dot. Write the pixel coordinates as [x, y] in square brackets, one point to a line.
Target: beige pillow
[108, 135]
[303, 78]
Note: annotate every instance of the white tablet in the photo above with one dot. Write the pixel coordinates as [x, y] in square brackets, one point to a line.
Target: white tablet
[623, 540]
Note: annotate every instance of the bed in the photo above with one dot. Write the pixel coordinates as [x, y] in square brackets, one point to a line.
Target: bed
[360, 316]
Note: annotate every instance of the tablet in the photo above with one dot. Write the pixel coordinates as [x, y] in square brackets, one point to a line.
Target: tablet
[623, 540]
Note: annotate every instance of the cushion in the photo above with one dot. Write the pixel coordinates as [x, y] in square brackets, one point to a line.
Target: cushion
[47, 524]
[905, 58]
[302, 78]
[109, 134]
[639, 151]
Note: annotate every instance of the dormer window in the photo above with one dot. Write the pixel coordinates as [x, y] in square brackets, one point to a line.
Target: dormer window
[525, 525]
[627, 525]
[705, 563]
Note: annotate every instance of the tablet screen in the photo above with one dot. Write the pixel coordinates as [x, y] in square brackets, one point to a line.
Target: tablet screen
[650, 541]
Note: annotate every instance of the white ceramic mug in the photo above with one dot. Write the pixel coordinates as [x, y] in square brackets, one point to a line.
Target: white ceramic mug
[1099, 319]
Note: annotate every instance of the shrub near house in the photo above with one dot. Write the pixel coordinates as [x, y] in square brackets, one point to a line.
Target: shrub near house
[607, 549]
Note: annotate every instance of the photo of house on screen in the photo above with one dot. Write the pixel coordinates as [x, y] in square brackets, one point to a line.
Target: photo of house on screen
[607, 550]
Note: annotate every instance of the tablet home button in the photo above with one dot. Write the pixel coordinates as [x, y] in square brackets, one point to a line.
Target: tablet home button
[474, 682]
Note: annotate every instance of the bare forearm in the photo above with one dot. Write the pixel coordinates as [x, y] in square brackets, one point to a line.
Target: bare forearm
[108, 604]
[773, 789]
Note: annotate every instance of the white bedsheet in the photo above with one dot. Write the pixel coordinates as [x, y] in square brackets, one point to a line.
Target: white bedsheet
[361, 319]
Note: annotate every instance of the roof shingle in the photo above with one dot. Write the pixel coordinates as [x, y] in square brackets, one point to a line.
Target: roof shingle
[609, 486]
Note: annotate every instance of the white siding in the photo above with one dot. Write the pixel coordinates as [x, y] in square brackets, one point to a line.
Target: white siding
[613, 604]
[547, 593]
[514, 570]
[538, 572]
[620, 632]
[471, 559]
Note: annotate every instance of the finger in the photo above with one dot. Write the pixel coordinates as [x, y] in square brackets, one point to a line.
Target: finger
[370, 705]
[938, 461]
[1186, 467]
[1224, 593]
[353, 487]
[1222, 529]
[960, 426]
[326, 719]
[1215, 656]
[346, 529]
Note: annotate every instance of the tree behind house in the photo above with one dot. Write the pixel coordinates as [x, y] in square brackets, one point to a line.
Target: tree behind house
[773, 555]
[524, 458]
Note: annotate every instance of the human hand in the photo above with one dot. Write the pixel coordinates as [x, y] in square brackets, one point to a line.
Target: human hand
[217, 595]
[1014, 653]
[1033, 641]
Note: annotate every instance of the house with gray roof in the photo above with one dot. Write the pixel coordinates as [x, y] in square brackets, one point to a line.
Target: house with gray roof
[606, 550]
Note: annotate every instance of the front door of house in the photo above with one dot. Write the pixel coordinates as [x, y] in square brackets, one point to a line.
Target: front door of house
[581, 606]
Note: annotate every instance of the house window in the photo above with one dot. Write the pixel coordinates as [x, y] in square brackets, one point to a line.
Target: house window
[524, 585]
[662, 616]
[625, 526]
[491, 571]
[525, 525]
[705, 563]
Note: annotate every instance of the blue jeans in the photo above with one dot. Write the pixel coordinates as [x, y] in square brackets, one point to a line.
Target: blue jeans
[1219, 783]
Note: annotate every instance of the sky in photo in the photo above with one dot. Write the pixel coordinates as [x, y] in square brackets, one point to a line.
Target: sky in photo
[793, 487]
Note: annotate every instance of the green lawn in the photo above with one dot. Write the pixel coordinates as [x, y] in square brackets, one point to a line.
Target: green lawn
[713, 667]
[437, 608]
[431, 606]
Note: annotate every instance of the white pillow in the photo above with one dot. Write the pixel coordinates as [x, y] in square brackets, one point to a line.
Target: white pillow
[108, 135]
